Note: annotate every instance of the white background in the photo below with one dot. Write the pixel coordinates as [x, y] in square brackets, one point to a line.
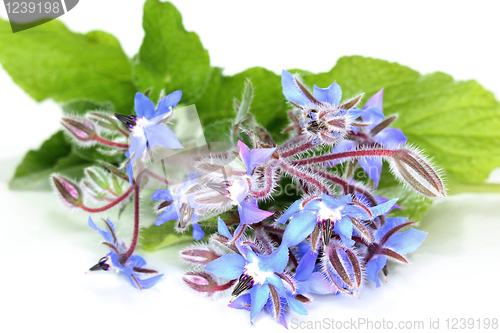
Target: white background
[45, 249]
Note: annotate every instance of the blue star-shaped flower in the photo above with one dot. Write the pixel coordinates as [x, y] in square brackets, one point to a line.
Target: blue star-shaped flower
[367, 137]
[255, 273]
[131, 267]
[329, 214]
[389, 243]
[182, 207]
[146, 129]
[326, 117]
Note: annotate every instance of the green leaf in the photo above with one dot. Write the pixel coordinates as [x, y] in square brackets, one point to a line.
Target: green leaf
[170, 58]
[414, 205]
[268, 105]
[156, 237]
[455, 122]
[50, 61]
[80, 107]
[55, 155]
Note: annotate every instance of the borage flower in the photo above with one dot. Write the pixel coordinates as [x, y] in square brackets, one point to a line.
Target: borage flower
[389, 243]
[261, 275]
[132, 266]
[325, 118]
[237, 191]
[329, 215]
[376, 135]
[180, 205]
[147, 129]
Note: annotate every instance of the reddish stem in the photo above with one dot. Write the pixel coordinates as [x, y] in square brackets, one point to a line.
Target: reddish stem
[268, 185]
[346, 187]
[136, 223]
[110, 143]
[347, 154]
[305, 177]
[108, 206]
[296, 150]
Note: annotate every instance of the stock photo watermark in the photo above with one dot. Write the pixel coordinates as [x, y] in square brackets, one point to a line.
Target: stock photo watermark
[363, 323]
[24, 15]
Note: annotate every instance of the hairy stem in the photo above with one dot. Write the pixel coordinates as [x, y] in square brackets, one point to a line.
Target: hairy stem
[309, 180]
[269, 183]
[347, 154]
[108, 206]
[136, 223]
[303, 147]
[110, 143]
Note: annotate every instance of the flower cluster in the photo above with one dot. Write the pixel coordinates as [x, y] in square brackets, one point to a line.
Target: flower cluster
[271, 250]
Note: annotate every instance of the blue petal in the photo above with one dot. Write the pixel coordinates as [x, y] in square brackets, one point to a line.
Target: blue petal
[136, 261]
[383, 208]
[130, 173]
[242, 302]
[294, 208]
[292, 91]
[197, 232]
[276, 261]
[277, 283]
[374, 266]
[333, 203]
[406, 242]
[168, 102]
[162, 195]
[251, 214]
[137, 147]
[143, 106]
[356, 212]
[390, 138]
[331, 95]
[344, 229]
[169, 214]
[190, 181]
[317, 284]
[376, 100]
[222, 228]
[299, 228]
[105, 234]
[372, 115]
[149, 283]
[229, 266]
[259, 295]
[306, 266]
[295, 305]
[161, 135]
[254, 157]
[389, 224]
[372, 165]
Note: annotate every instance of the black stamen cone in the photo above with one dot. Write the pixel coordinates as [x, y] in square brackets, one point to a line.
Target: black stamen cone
[128, 121]
[245, 283]
[101, 265]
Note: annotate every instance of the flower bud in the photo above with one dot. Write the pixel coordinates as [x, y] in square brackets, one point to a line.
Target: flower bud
[80, 128]
[200, 254]
[201, 282]
[98, 177]
[342, 267]
[103, 120]
[416, 171]
[69, 192]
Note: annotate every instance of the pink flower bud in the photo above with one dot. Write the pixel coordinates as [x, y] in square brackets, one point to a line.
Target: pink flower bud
[79, 128]
[201, 282]
[200, 254]
[69, 192]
